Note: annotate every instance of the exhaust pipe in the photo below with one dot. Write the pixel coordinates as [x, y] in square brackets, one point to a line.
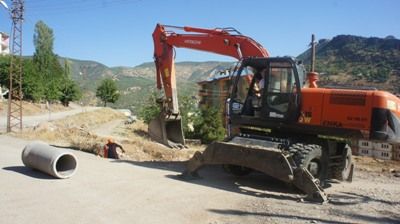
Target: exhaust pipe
[167, 130]
[56, 162]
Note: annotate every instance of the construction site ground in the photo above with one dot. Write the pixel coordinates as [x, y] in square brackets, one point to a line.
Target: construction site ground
[144, 185]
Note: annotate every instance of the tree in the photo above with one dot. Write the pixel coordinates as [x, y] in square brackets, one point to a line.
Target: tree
[69, 92]
[4, 70]
[43, 39]
[32, 86]
[69, 89]
[150, 108]
[46, 62]
[107, 91]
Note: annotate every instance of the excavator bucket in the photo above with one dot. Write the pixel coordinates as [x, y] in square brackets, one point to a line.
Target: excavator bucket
[261, 157]
[167, 130]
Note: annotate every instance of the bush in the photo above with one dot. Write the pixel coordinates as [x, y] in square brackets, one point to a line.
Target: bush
[209, 126]
[190, 114]
[150, 109]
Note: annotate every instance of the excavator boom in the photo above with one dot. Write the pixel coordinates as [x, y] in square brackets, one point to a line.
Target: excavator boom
[166, 128]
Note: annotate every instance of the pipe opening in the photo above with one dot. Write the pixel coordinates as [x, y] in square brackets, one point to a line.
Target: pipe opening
[66, 165]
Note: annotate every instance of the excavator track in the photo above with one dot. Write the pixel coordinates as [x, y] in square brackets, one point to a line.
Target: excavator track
[263, 156]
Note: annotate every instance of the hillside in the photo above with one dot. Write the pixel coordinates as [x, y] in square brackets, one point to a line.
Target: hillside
[363, 61]
[344, 59]
[136, 83]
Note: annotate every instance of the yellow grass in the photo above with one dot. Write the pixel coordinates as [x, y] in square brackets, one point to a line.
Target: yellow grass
[75, 132]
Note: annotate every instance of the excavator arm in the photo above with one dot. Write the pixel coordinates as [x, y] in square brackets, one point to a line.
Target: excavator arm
[166, 128]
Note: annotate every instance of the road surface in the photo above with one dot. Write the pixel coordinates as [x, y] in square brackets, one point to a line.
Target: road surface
[111, 191]
[118, 191]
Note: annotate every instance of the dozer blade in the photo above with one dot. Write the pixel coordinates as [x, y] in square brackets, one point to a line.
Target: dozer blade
[258, 156]
[167, 130]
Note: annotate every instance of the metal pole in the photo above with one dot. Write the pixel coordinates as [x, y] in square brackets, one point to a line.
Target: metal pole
[14, 116]
[312, 53]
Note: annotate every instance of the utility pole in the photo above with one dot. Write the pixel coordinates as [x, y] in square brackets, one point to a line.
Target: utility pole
[14, 115]
[312, 53]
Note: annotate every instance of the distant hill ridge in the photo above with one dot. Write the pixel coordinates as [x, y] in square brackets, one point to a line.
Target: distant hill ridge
[347, 53]
[361, 61]
[135, 83]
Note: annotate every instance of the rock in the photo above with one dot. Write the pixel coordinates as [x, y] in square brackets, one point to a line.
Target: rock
[313, 221]
[397, 174]
[392, 171]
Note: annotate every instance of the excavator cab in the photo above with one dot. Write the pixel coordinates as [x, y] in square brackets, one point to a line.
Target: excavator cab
[274, 93]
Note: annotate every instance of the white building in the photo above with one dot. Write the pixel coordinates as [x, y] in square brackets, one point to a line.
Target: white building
[4, 43]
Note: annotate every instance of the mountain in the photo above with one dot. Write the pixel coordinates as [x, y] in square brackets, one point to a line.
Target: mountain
[136, 83]
[343, 60]
[358, 60]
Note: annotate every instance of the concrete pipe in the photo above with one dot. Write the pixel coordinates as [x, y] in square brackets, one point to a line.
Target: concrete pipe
[57, 162]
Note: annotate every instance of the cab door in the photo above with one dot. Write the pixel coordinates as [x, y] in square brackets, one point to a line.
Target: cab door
[281, 92]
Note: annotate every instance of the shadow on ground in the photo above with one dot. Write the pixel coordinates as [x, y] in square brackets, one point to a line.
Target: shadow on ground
[231, 212]
[349, 198]
[351, 217]
[255, 184]
[29, 172]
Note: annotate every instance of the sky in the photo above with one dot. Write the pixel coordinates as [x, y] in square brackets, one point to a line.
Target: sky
[118, 32]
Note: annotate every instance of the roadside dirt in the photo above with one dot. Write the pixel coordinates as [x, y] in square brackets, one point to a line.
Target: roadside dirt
[29, 109]
[89, 131]
[372, 197]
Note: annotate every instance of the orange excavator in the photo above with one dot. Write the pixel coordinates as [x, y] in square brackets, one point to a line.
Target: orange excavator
[284, 125]
[167, 127]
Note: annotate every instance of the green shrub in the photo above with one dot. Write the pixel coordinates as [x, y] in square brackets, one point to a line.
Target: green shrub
[150, 109]
[209, 126]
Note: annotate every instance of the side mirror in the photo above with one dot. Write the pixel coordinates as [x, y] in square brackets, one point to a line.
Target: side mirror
[237, 107]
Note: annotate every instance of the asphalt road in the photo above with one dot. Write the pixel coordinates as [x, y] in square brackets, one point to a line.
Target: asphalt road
[103, 191]
[112, 191]
[117, 191]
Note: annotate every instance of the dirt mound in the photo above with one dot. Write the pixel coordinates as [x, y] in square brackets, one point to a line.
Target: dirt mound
[139, 147]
